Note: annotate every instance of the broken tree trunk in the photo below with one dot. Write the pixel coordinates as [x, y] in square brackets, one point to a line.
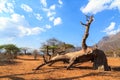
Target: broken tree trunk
[71, 58]
[87, 26]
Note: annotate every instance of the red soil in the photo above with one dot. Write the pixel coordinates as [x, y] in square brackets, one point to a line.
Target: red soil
[22, 70]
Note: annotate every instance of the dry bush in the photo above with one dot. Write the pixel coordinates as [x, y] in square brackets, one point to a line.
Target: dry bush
[6, 57]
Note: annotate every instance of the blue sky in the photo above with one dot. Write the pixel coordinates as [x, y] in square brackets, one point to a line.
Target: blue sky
[28, 23]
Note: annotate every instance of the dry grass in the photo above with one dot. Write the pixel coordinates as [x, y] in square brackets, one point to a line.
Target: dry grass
[22, 70]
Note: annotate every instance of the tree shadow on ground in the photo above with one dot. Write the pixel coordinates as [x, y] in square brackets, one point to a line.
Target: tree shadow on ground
[4, 63]
[55, 68]
[28, 59]
[72, 68]
[78, 77]
[83, 67]
[117, 68]
[14, 76]
[86, 75]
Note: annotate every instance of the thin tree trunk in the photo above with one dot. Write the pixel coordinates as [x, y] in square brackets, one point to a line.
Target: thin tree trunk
[48, 52]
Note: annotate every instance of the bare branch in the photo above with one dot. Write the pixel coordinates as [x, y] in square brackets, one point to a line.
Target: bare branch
[87, 26]
[83, 23]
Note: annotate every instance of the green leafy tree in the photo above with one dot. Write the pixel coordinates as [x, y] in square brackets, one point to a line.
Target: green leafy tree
[68, 47]
[11, 49]
[54, 46]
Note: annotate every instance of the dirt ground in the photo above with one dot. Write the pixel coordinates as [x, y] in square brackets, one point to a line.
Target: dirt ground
[22, 70]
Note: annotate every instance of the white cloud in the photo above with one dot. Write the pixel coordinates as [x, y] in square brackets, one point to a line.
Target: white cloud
[48, 26]
[17, 18]
[44, 3]
[113, 32]
[50, 13]
[52, 7]
[60, 2]
[110, 30]
[115, 4]
[26, 8]
[25, 31]
[8, 25]
[3, 22]
[12, 21]
[7, 40]
[10, 8]
[13, 25]
[110, 27]
[38, 16]
[95, 6]
[51, 18]
[16, 25]
[57, 21]
[6, 6]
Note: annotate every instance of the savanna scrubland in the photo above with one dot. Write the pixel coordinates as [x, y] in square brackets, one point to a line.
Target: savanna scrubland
[21, 69]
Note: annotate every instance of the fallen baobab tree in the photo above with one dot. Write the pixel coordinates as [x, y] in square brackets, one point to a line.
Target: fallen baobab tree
[71, 58]
[85, 54]
[95, 55]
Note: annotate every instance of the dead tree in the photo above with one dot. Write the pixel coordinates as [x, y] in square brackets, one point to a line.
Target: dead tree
[75, 57]
[71, 58]
[100, 60]
[89, 20]
[86, 54]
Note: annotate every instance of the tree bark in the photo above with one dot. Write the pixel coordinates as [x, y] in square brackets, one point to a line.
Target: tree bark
[87, 26]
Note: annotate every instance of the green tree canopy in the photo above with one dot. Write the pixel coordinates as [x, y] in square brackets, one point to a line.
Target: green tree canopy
[10, 49]
[54, 45]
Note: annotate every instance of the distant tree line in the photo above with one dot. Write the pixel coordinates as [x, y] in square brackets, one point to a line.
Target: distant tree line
[9, 52]
[50, 47]
[53, 47]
